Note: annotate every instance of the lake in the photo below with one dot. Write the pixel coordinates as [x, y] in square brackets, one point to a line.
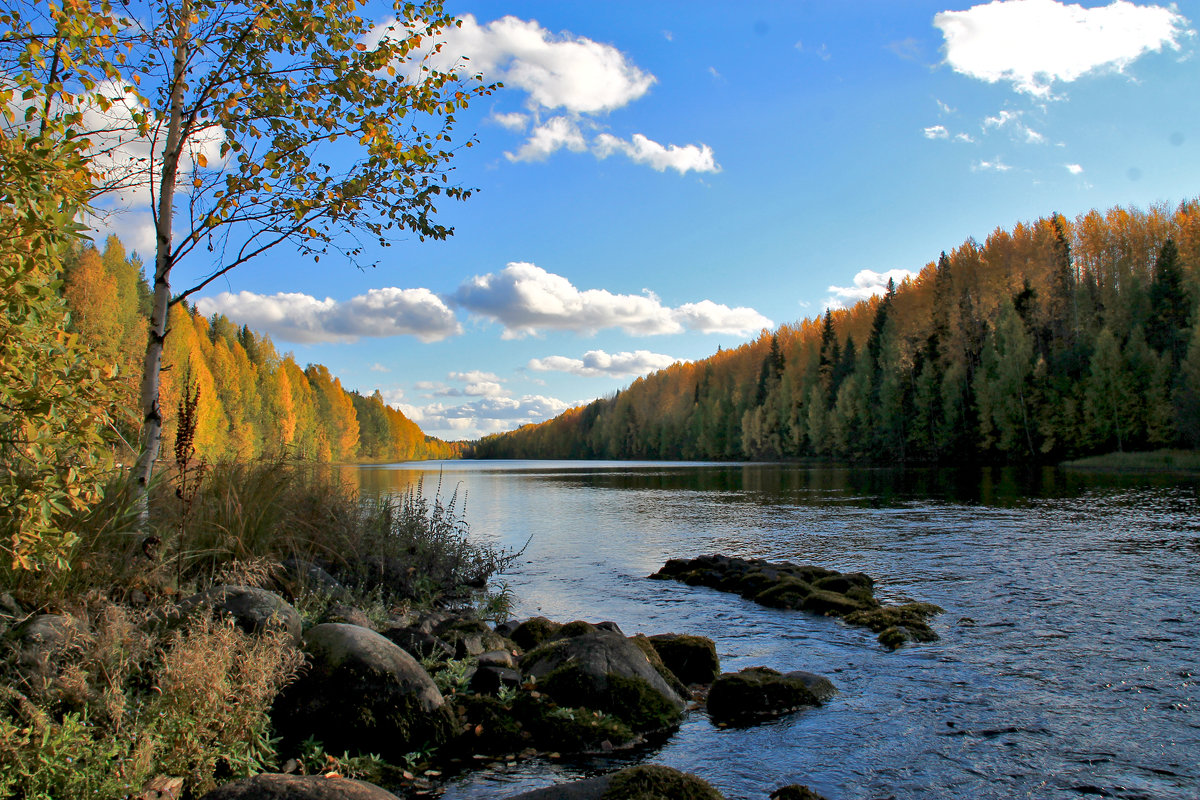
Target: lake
[1068, 662]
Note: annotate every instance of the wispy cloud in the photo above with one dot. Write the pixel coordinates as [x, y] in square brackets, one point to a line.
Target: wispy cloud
[990, 166]
[597, 363]
[296, 317]
[1074, 169]
[527, 299]
[937, 132]
[1035, 43]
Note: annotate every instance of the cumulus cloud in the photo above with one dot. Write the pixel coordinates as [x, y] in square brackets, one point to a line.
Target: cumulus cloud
[566, 78]
[1034, 43]
[296, 317]
[474, 384]
[527, 299]
[642, 150]
[1074, 169]
[937, 132]
[597, 363]
[487, 415]
[548, 138]
[867, 283]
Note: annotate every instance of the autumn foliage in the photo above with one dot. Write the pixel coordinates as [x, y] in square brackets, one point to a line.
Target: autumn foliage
[254, 401]
[1050, 340]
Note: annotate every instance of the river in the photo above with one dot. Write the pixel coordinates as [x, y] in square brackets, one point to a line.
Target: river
[1068, 662]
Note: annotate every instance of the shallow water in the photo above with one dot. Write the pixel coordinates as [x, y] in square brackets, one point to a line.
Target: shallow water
[1067, 665]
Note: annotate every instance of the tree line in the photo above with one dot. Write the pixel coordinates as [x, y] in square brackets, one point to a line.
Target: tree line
[1051, 340]
[253, 401]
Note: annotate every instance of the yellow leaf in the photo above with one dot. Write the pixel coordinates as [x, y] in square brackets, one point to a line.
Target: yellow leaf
[201, 160]
[197, 183]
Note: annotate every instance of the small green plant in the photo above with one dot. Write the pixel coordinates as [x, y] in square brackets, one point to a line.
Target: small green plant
[452, 676]
[368, 767]
[496, 606]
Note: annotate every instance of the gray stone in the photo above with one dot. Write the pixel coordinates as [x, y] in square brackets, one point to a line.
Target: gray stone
[254, 610]
[298, 787]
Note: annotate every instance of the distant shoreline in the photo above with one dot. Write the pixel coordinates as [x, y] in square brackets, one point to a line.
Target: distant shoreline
[1152, 461]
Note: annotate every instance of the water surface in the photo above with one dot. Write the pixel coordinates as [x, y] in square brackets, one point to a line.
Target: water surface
[1067, 665]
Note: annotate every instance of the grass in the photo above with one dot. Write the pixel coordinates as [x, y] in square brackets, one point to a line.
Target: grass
[122, 700]
[1152, 461]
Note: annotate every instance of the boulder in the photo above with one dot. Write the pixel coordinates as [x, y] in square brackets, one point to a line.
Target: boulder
[254, 610]
[362, 693]
[298, 787]
[643, 782]
[470, 636]
[643, 643]
[341, 612]
[603, 670]
[757, 693]
[299, 577]
[693, 659]
[821, 687]
[419, 644]
[795, 791]
[491, 678]
[532, 632]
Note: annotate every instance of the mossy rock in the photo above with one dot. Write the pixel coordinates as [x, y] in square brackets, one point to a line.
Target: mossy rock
[532, 632]
[576, 628]
[655, 782]
[831, 604]
[490, 726]
[756, 693]
[693, 659]
[631, 700]
[788, 593]
[753, 583]
[652, 655]
[795, 791]
[842, 583]
[898, 624]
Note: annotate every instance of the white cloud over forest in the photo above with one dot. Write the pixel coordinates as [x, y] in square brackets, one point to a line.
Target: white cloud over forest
[527, 299]
[1034, 43]
[486, 415]
[597, 363]
[867, 284]
[296, 317]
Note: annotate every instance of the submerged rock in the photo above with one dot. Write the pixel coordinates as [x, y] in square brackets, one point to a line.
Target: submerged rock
[804, 587]
[795, 791]
[362, 693]
[298, 787]
[644, 782]
[758, 693]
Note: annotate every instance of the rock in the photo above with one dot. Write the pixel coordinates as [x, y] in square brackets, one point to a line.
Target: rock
[898, 624]
[605, 671]
[419, 644]
[362, 693]
[693, 659]
[470, 636]
[300, 577]
[644, 644]
[491, 678]
[821, 687]
[805, 587]
[532, 632]
[43, 642]
[643, 782]
[576, 628]
[757, 693]
[497, 658]
[340, 612]
[298, 787]
[795, 791]
[254, 610]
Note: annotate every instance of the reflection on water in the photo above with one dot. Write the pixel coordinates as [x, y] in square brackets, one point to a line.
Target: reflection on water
[1066, 666]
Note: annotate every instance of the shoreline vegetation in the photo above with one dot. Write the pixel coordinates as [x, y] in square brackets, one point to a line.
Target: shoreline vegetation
[1167, 460]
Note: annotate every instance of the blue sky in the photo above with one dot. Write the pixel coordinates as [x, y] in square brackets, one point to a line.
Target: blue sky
[658, 179]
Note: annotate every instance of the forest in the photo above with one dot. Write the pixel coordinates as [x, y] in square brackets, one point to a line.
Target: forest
[252, 400]
[1052, 340]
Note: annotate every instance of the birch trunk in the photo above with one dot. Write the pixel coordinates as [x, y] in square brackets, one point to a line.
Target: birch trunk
[151, 439]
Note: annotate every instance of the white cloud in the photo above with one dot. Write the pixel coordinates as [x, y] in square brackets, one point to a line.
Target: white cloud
[943, 107]
[487, 415]
[963, 137]
[555, 134]
[867, 283]
[646, 151]
[990, 166]
[1074, 169]
[377, 367]
[526, 299]
[302, 318]
[937, 132]
[514, 121]
[476, 384]
[1033, 43]
[570, 78]
[557, 71]
[1011, 120]
[597, 363]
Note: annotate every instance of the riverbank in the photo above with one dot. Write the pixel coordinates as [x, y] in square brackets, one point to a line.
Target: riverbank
[1183, 461]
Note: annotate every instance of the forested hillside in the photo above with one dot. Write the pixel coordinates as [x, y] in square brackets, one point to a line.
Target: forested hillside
[252, 400]
[1051, 340]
